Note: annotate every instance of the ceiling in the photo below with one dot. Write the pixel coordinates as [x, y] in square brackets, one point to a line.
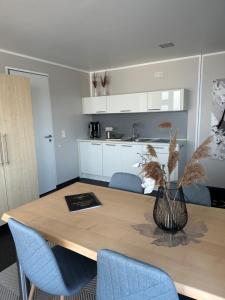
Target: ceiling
[101, 34]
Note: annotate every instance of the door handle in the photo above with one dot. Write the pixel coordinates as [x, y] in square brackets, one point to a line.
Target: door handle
[1, 151]
[100, 111]
[5, 150]
[48, 136]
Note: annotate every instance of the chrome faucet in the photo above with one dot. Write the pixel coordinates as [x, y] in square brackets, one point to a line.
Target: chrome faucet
[134, 131]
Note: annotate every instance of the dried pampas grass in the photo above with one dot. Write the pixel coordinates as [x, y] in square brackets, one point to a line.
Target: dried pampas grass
[151, 151]
[153, 170]
[104, 80]
[193, 172]
[94, 80]
[203, 150]
[172, 162]
[174, 155]
[166, 125]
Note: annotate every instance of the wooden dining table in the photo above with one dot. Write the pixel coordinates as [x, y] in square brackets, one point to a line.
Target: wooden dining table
[197, 268]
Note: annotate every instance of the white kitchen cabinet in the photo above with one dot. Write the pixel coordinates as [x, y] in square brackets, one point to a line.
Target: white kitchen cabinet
[127, 103]
[170, 100]
[111, 159]
[129, 156]
[94, 105]
[120, 158]
[101, 159]
[90, 157]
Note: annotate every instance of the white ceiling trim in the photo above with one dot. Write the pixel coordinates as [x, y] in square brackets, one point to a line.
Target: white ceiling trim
[109, 69]
[43, 60]
[213, 53]
[146, 64]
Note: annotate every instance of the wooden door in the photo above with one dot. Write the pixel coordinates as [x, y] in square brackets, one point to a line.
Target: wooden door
[18, 140]
[3, 195]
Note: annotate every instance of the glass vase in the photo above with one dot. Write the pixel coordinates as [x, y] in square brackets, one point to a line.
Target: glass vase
[170, 211]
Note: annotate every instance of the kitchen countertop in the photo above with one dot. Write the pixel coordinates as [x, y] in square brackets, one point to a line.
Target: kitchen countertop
[119, 141]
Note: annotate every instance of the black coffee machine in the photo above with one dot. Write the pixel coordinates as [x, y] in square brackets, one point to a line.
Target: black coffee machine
[94, 130]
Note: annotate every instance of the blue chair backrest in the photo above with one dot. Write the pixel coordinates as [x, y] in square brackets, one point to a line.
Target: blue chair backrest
[36, 258]
[127, 182]
[197, 194]
[122, 278]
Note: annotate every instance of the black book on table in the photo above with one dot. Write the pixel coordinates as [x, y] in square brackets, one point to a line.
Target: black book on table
[82, 201]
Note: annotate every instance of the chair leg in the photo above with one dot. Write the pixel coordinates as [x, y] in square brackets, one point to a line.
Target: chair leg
[62, 298]
[31, 294]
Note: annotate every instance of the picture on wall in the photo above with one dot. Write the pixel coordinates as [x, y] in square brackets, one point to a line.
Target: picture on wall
[218, 119]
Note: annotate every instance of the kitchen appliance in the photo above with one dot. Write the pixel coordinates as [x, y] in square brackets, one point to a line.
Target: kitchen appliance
[94, 130]
[108, 132]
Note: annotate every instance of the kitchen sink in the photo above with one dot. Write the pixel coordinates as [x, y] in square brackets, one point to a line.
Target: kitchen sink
[141, 140]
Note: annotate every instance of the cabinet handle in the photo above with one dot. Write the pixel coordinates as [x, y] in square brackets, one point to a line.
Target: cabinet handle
[95, 144]
[110, 144]
[149, 109]
[100, 111]
[5, 150]
[126, 146]
[1, 151]
[125, 110]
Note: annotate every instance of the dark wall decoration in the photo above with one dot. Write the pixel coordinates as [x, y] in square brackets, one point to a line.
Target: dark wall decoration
[218, 119]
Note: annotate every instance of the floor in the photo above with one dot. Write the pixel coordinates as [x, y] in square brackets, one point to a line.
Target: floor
[7, 249]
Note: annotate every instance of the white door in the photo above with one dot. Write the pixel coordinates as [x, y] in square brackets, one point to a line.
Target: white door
[43, 127]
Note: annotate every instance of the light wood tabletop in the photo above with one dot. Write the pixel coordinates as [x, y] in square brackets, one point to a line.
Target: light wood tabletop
[198, 268]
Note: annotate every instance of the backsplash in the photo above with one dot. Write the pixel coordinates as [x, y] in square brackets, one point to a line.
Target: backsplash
[147, 123]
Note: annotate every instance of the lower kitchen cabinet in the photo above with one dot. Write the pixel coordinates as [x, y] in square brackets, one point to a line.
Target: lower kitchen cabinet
[120, 158]
[100, 159]
[129, 156]
[90, 157]
[111, 159]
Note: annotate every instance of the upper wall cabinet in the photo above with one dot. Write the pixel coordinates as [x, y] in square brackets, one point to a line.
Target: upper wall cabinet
[168, 100]
[171, 100]
[127, 103]
[94, 105]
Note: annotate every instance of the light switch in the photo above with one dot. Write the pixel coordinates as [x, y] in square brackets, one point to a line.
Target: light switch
[158, 74]
[63, 134]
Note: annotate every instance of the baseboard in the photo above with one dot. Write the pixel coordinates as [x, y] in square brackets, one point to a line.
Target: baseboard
[66, 183]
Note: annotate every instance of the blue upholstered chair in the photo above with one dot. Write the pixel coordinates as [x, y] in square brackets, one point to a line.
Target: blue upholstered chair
[122, 278]
[56, 271]
[127, 182]
[197, 194]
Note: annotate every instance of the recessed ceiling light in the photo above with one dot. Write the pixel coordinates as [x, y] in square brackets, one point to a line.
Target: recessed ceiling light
[167, 45]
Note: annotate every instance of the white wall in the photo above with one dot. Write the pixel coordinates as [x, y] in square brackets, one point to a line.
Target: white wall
[176, 74]
[66, 88]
